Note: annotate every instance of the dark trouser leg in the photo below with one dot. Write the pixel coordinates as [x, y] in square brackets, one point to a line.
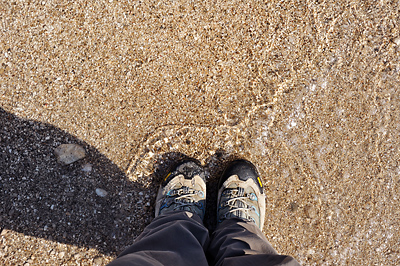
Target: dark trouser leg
[177, 238]
[236, 242]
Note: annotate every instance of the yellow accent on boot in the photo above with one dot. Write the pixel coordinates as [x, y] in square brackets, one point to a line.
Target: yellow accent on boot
[167, 176]
[259, 181]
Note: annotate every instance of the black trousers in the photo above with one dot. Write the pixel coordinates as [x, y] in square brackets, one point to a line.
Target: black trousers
[180, 238]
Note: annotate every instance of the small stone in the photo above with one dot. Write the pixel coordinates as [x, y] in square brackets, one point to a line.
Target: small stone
[397, 40]
[293, 206]
[87, 168]
[101, 192]
[309, 211]
[69, 153]
[232, 119]
[138, 63]
[98, 261]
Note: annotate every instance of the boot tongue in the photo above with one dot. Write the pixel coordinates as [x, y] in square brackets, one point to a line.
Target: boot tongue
[240, 192]
[240, 204]
[187, 202]
[192, 208]
[187, 208]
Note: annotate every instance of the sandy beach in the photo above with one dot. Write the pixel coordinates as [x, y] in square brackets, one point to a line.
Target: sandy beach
[306, 90]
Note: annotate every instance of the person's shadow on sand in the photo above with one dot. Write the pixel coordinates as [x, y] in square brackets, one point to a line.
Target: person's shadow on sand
[43, 198]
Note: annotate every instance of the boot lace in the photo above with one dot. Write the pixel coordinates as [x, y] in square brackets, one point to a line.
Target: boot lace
[183, 199]
[237, 204]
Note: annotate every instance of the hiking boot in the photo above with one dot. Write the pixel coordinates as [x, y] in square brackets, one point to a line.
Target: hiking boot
[184, 188]
[241, 194]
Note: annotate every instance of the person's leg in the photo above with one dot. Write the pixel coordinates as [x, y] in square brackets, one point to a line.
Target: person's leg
[239, 242]
[177, 235]
[177, 238]
[238, 239]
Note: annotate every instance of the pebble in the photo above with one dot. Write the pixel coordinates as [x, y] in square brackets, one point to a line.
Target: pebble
[69, 153]
[101, 192]
[293, 206]
[87, 168]
[397, 40]
[310, 211]
[61, 254]
[98, 261]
